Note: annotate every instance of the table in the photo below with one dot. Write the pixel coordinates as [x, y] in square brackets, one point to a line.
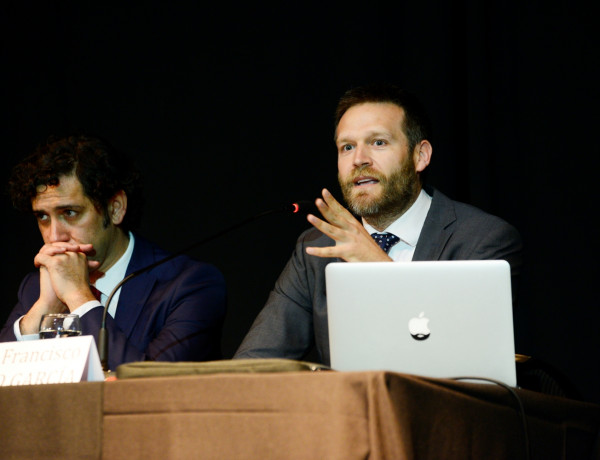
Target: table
[292, 415]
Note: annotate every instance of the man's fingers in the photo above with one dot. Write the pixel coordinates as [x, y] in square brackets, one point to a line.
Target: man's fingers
[329, 214]
[87, 249]
[52, 250]
[93, 264]
[41, 259]
[61, 247]
[334, 212]
[329, 230]
[331, 201]
[56, 249]
[329, 251]
[352, 242]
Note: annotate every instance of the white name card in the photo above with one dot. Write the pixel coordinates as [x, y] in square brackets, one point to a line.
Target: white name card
[36, 362]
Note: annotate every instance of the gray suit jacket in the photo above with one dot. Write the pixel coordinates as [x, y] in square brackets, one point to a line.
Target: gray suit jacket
[294, 318]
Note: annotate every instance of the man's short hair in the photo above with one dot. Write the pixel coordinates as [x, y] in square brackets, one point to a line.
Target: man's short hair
[100, 168]
[417, 126]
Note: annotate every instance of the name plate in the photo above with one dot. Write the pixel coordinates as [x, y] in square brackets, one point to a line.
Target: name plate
[37, 362]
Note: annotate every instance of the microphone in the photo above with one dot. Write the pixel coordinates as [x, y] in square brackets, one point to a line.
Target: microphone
[302, 206]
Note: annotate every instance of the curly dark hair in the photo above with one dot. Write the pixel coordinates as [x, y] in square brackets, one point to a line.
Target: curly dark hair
[102, 170]
[417, 126]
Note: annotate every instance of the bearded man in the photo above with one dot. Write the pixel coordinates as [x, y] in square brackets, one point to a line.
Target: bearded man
[382, 141]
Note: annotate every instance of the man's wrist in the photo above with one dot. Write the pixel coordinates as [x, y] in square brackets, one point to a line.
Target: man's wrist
[29, 324]
[76, 300]
[22, 337]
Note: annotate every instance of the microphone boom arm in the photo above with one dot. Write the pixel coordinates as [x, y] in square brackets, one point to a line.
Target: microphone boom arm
[103, 333]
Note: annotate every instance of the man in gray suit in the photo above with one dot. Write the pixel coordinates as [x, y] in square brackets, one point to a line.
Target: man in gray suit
[383, 148]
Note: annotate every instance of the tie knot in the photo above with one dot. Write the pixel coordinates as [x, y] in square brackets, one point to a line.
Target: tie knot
[385, 240]
[96, 292]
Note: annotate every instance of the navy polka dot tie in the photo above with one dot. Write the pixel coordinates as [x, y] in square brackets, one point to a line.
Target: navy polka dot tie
[385, 240]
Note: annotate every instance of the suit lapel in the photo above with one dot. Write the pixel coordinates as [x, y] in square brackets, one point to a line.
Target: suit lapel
[437, 229]
[136, 291]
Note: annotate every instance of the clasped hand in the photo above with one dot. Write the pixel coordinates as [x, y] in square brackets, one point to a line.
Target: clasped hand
[352, 242]
[64, 274]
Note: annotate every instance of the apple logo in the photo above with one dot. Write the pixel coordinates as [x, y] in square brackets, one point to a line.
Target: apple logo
[418, 327]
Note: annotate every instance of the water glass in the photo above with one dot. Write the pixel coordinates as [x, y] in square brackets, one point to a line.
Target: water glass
[59, 325]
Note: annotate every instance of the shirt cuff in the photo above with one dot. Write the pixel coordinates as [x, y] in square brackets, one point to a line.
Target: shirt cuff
[81, 310]
[19, 336]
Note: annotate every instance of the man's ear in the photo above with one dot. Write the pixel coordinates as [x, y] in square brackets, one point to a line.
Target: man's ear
[117, 207]
[422, 155]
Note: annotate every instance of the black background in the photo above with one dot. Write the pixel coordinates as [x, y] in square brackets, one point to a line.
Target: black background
[228, 109]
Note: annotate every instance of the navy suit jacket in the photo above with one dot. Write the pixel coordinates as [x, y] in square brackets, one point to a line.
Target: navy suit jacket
[294, 319]
[173, 312]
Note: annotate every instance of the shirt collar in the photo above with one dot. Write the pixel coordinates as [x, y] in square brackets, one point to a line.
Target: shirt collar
[117, 272]
[408, 226]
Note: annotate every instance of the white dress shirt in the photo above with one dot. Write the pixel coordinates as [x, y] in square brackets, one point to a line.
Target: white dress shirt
[407, 227]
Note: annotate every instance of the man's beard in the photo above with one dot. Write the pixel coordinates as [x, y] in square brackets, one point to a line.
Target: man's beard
[398, 192]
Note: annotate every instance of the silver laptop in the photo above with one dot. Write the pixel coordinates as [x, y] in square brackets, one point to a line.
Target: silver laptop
[442, 319]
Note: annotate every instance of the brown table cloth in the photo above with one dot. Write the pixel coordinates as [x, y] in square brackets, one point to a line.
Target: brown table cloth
[293, 415]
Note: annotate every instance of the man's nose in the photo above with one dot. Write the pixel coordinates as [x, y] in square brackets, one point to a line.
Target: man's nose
[57, 232]
[362, 156]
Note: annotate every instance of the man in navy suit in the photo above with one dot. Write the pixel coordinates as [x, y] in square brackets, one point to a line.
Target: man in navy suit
[86, 197]
[382, 139]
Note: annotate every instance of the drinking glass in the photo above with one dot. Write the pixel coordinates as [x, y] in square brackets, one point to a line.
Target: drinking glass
[59, 325]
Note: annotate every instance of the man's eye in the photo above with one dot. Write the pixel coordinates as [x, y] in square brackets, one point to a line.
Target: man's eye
[41, 217]
[70, 213]
[379, 142]
[347, 147]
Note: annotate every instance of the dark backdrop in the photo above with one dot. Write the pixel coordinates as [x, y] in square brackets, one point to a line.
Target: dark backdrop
[228, 110]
